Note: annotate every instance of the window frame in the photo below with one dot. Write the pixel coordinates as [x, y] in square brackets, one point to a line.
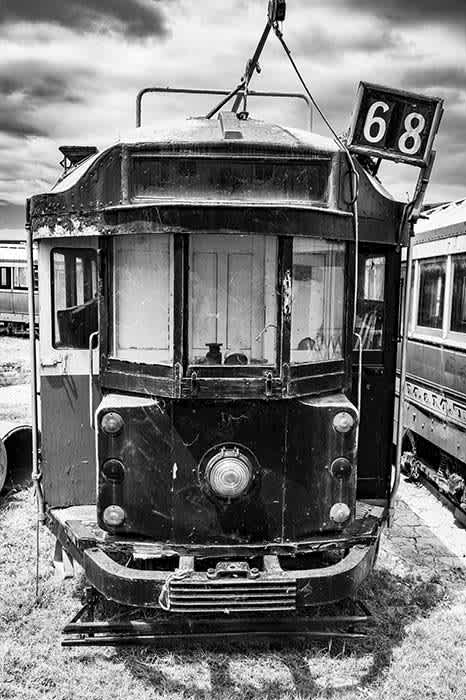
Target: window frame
[6, 287]
[444, 335]
[67, 251]
[18, 287]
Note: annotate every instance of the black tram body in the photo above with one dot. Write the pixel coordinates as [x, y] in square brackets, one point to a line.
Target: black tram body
[434, 439]
[199, 381]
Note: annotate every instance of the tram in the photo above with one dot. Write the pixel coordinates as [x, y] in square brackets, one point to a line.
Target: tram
[213, 440]
[434, 440]
[14, 316]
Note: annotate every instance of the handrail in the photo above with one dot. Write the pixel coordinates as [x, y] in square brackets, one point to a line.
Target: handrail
[92, 337]
[192, 91]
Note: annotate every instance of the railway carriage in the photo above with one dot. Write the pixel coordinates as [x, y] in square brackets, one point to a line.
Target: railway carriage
[435, 396]
[14, 314]
[201, 444]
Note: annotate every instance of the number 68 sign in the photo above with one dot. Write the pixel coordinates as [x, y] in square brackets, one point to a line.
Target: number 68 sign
[394, 124]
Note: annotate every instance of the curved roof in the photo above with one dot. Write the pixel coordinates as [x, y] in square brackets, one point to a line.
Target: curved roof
[208, 132]
[441, 216]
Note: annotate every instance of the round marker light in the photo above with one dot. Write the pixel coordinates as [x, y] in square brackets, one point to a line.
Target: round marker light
[341, 468]
[114, 470]
[229, 473]
[339, 513]
[343, 422]
[113, 516]
[112, 423]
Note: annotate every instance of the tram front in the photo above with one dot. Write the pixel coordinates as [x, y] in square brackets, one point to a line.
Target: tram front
[213, 264]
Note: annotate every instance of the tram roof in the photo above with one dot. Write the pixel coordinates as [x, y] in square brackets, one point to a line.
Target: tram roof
[199, 131]
[442, 221]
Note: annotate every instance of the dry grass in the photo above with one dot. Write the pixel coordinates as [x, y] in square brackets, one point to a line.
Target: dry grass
[417, 651]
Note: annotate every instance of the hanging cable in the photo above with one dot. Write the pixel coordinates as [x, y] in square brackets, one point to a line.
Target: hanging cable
[354, 188]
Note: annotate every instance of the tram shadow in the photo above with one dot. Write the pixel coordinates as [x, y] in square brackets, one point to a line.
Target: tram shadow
[278, 668]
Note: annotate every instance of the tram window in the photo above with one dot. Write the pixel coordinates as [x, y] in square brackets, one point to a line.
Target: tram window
[5, 277]
[240, 179]
[458, 308]
[233, 303]
[142, 299]
[74, 297]
[432, 274]
[318, 294]
[370, 302]
[20, 280]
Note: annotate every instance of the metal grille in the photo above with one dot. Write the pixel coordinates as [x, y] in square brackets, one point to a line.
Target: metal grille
[233, 595]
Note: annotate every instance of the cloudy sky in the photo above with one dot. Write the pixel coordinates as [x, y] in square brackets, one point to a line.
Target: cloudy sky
[70, 70]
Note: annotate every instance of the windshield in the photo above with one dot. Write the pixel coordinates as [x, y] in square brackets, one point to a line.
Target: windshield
[318, 292]
[233, 301]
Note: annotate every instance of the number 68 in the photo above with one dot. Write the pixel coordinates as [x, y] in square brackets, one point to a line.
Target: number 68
[375, 127]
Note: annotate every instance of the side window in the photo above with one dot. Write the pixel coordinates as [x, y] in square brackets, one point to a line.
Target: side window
[5, 277]
[74, 297]
[20, 279]
[318, 300]
[370, 302]
[458, 307]
[432, 275]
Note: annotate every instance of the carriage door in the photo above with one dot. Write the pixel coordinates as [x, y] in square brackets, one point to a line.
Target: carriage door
[376, 323]
[68, 318]
[227, 291]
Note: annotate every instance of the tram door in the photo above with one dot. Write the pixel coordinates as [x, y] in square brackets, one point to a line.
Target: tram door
[68, 317]
[376, 323]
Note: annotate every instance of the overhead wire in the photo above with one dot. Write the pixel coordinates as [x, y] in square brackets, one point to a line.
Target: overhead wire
[354, 187]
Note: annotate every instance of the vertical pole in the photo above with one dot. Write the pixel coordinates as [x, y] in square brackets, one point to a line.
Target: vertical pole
[33, 360]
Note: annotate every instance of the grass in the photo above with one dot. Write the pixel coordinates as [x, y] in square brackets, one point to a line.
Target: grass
[418, 649]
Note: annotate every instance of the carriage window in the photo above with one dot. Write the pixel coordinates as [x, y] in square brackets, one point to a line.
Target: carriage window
[431, 292]
[20, 279]
[142, 299]
[370, 303]
[233, 302]
[318, 294]
[74, 297]
[458, 309]
[5, 277]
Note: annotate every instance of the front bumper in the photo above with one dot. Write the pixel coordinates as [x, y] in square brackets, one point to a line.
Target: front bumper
[269, 588]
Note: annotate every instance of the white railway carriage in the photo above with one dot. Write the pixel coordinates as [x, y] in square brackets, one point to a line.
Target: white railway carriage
[435, 409]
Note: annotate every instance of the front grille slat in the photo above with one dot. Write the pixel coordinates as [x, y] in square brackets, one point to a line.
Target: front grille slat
[232, 595]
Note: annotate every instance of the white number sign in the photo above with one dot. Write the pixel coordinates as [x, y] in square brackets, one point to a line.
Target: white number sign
[394, 124]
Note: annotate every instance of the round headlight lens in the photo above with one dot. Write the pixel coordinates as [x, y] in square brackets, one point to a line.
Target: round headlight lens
[112, 423]
[113, 470]
[229, 473]
[340, 513]
[341, 468]
[113, 516]
[343, 422]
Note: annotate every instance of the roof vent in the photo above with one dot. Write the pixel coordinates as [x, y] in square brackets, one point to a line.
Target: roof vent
[72, 155]
[231, 125]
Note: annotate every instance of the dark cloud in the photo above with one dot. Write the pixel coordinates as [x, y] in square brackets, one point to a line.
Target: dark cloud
[140, 18]
[414, 11]
[11, 215]
[40, 82]
[323, 45]
[433, 77]
[26, 86]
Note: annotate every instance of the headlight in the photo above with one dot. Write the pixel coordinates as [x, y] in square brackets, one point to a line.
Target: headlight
[339, 513]
[113, 470]
[341, 468]
[343, 422]
[113, 516]
[229, 473]
[112, 423]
